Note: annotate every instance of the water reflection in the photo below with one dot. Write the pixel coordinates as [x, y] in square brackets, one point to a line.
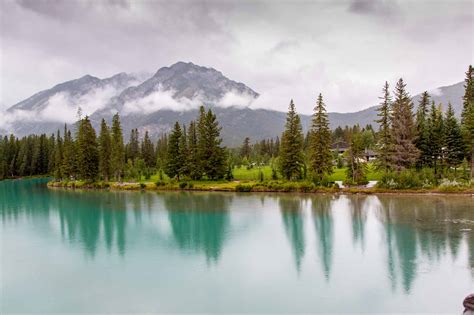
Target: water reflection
[291, 213]
[323, 223]
[417, 233]
[199, 221]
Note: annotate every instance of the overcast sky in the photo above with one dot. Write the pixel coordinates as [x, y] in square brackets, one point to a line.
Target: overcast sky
[281, 49]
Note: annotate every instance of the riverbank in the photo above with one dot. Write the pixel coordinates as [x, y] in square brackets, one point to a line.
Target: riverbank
[252, 186]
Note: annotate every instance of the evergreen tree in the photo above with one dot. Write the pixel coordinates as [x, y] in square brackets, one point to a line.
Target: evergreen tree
[183, 153]
[454, 146]
[212, 155]
[467, 117]
[194, 164]
[435, 135]
[133, 146]
[87, 152]
[291, 147]
[356, 168]
[161, 152]
[58, 157]
[384, 140]
[245, 149]
[403, 152]
[422, 131]
[174, 162]
[320, 155]
[148, 151]
[117, 149]
[68, 166]
[105, 151]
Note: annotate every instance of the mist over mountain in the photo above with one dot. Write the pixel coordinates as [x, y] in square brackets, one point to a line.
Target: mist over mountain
[172, 94]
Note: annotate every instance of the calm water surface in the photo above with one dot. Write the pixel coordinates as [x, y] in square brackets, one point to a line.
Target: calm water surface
[71, 251]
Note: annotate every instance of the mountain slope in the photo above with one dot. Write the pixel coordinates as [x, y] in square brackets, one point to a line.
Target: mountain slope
[174, 94]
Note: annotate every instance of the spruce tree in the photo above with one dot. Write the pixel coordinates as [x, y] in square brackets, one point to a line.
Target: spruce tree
[183, 153]
[148, 151]
[105, 151]
[117, 149]
[435, 136]
[467, 117]
[453, 141]
[384, 139]
[68, 166]
[403, 152]
[58, 157]
[212, 154]
[291, 158]
[245, 149]
[422, 131]
[87, 150]
[194, 164]
[320, 155]
[356, 168]
[133, 146]
[174, 162]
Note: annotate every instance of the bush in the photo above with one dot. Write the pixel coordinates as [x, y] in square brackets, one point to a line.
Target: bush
[142, 186]
[160, 183]
[183, 185]
[243, 188]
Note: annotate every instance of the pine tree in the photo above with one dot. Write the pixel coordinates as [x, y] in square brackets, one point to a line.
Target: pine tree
[87, 152]
[435, 135]
[68, 166]
[291, 147]
[454, 146]
[245, 149]
[183, 153]
[356, 168]
[58, 157]
[133, 146]
[212, 154]
[174, 162]
[194, 164]
[161, 152]
[467, 117]
[148, 151]
[105, 151]
[117, 149]
[403, 152]
[384, 137]
[422, 131]
[320, 155]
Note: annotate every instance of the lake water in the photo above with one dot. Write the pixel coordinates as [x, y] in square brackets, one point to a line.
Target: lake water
[87, 251]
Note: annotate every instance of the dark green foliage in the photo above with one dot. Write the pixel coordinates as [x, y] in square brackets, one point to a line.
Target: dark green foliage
[384, 137]
[133, 146]
[403, 152]
[422, 141]
[320, 156]
[291, 147]
[356, 166]
[467, 117]
[453, 142]
[212, 156]
[69, 162]
[87, 152]
[245, 150]
[435, 136]
[105, 150]
[148, 151]
[194, 164]
[117, 162]
[174, 163]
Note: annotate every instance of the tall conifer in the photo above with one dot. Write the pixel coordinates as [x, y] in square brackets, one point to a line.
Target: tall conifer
[105, 151]
[117, 149]
[291, 147]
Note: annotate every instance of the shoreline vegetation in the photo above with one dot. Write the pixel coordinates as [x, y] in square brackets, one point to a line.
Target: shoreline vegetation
[422, 150]
[276, 186]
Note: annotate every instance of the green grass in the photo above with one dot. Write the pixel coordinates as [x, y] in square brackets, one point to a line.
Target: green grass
[242, 173]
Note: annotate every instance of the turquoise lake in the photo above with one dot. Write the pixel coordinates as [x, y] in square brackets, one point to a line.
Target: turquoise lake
[65, 251]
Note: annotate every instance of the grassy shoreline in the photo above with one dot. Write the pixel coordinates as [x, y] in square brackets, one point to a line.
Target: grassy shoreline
[250, 186]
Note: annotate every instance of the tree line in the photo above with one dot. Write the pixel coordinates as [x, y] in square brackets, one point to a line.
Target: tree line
[406, 139]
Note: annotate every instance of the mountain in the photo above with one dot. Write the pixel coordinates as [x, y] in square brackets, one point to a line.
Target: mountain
[174, 94]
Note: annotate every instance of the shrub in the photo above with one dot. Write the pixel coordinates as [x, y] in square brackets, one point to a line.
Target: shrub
[183, 185]
[243, 188]
[160, 183]
[142, 186]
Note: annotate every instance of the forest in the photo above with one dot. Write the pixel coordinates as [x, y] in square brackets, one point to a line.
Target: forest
[421, 148]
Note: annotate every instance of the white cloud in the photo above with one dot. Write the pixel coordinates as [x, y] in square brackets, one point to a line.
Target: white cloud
[235, 98]
[161, 99]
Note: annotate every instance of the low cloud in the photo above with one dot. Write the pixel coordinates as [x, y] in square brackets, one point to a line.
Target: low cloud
[235, 98]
